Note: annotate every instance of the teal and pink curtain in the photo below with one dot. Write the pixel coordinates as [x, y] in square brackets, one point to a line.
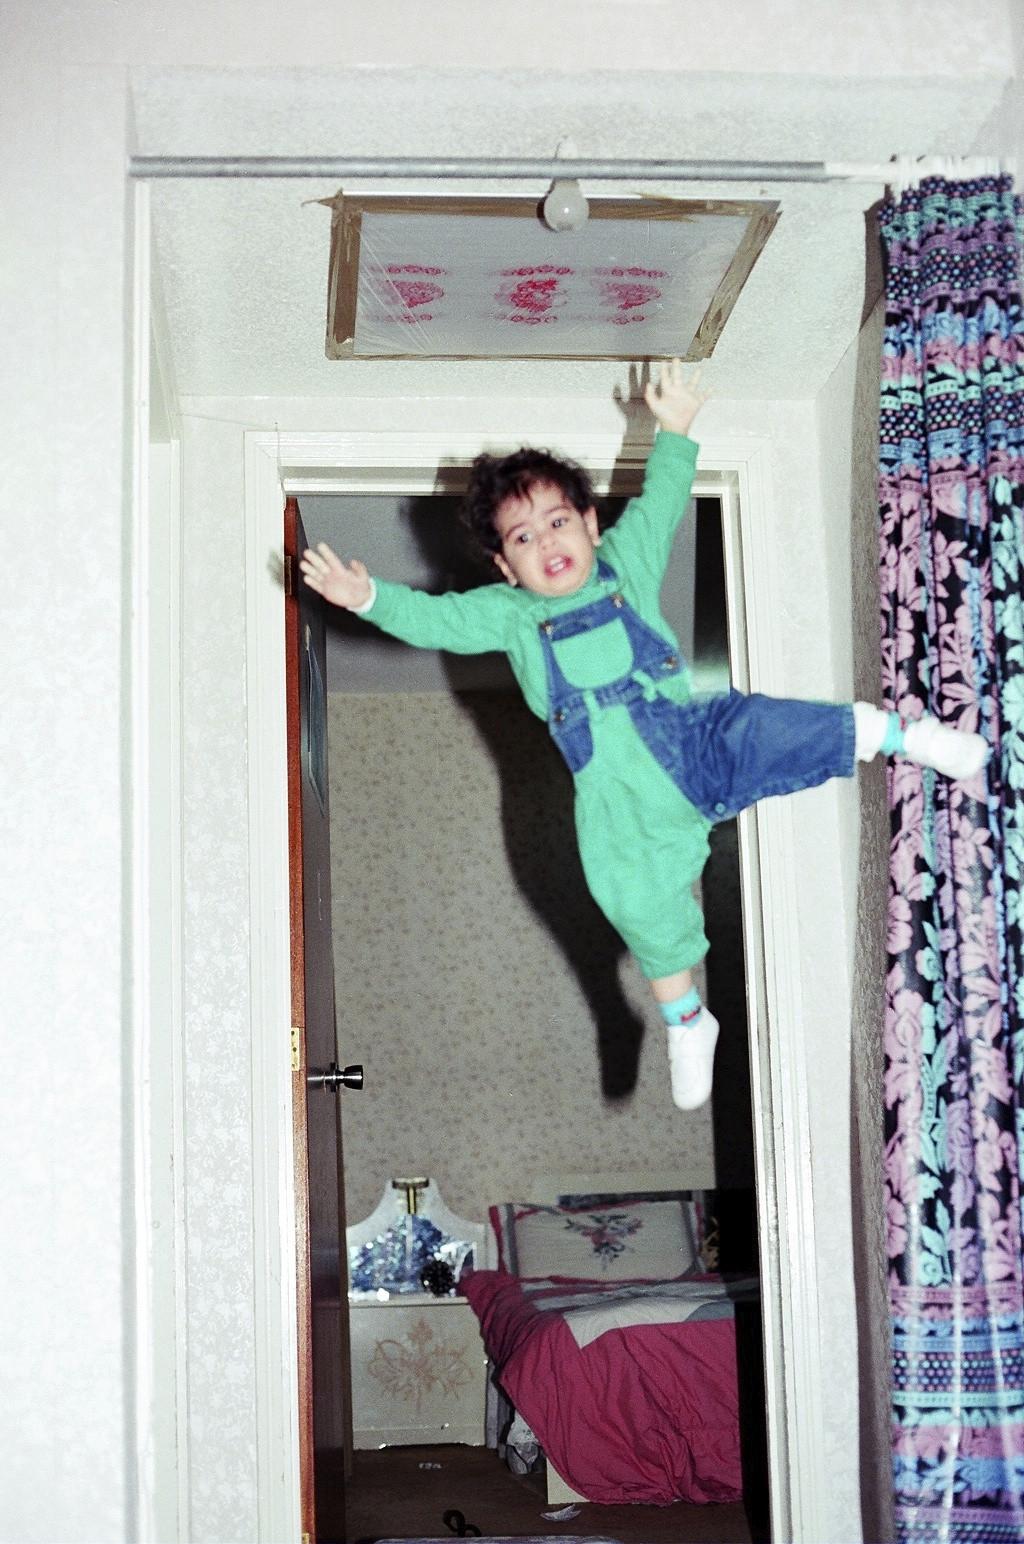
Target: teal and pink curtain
[952, 537]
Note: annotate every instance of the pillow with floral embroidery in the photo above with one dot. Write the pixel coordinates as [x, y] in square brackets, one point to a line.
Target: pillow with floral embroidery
[633, 1241]
[699, 1206]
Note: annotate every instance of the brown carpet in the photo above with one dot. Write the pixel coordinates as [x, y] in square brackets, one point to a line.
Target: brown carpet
[391, 1495]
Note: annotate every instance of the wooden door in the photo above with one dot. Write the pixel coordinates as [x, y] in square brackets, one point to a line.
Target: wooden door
[325, 1417]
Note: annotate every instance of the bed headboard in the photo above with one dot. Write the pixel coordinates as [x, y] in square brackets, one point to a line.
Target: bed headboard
[538, 1234]
[728, 1219]
[548, 1187]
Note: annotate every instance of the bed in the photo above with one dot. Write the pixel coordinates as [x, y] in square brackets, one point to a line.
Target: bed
[614, 1342]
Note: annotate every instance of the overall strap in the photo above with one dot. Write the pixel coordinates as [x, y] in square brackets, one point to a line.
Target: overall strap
[652, 655]
[570, 624]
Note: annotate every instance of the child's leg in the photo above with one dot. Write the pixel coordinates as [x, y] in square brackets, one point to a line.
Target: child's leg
[745, 748]
[642, 861]
[955, 753]
[692, 1035]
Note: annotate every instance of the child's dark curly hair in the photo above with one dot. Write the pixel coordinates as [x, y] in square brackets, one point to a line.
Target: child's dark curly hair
[493, 479]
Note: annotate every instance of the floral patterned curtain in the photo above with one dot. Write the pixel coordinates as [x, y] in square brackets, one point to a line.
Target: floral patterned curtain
[952, 494]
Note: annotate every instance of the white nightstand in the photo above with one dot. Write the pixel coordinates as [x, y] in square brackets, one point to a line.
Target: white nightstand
[419, 1372]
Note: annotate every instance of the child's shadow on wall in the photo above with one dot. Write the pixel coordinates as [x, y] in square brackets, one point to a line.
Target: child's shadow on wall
[536, 812]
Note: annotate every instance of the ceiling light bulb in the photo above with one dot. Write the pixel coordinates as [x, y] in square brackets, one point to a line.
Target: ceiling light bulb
[565, 208]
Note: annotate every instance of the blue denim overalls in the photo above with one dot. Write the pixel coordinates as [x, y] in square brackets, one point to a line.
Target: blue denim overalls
[643, 839]
[722, 752]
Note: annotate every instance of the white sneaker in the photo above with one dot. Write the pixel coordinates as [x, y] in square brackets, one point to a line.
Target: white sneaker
[691, 1060]
[955, 753]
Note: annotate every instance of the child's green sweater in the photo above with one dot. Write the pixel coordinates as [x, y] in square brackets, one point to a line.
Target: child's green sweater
[641, 842]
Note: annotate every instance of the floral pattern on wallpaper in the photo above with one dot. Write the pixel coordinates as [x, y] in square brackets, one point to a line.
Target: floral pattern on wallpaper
[487, 998]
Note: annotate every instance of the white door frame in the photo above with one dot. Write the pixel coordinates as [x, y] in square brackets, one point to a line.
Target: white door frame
[396, 461]
[158, 1419]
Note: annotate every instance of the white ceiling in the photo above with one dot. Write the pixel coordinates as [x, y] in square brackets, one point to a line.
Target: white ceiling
[243, 264]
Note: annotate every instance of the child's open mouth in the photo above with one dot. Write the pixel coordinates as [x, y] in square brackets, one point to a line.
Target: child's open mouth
[557, 566]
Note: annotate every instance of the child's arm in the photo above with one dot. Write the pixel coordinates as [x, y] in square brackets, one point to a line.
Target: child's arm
[472, 623]
[343, 584]
[675, 402]
[641, 539]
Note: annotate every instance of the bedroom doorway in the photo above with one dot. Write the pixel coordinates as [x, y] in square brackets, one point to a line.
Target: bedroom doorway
[365, 458]
[425, 720]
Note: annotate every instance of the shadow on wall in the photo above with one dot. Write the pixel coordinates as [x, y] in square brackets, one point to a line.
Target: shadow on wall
[540, 841]
[537, 818]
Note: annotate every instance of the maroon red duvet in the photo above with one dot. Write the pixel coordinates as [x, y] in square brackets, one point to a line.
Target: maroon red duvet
[644, 1412]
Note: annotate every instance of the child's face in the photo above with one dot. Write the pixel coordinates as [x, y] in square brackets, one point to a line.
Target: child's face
[547, 546]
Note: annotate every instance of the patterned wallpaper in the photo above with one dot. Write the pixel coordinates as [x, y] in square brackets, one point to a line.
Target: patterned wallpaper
[503, 1030]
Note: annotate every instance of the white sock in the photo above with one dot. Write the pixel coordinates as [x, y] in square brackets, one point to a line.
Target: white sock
[870, 727]
[691, 1059]
[956, 753]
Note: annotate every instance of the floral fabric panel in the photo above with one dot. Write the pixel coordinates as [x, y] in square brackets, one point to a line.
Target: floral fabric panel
[951, 500]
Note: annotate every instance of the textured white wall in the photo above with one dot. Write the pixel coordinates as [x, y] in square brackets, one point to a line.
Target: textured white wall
[68, 1254]
[65, 1208]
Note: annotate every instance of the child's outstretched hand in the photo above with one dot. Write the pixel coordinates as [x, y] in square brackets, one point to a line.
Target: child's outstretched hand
[674, 401]
[343, 584]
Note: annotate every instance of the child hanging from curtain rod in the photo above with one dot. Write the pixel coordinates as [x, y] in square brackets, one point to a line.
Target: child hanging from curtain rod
[654, 768]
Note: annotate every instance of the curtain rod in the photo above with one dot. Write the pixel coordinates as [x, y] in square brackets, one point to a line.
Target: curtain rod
[484, 168]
